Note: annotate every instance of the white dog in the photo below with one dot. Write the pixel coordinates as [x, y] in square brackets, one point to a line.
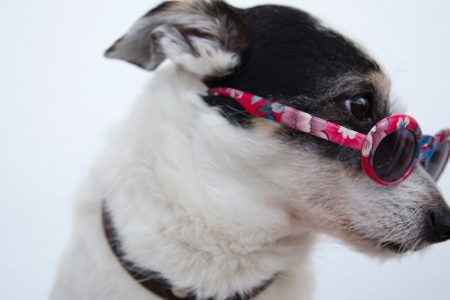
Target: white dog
[201, 200]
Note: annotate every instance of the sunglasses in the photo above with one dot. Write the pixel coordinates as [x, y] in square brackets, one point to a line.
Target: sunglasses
[389, 152]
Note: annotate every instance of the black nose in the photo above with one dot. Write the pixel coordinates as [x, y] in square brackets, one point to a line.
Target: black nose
[437, 224]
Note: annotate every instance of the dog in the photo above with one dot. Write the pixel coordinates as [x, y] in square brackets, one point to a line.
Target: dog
[196, 199]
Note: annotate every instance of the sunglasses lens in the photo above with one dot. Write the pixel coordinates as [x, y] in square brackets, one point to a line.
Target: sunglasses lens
[395, 155]
[438, 160]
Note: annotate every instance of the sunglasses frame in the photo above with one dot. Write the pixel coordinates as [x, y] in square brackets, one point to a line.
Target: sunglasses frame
[382, 129]
[367, 144]
[431, 144]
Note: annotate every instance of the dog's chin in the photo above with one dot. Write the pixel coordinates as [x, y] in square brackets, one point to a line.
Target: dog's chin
[389, 249]
[383, 249]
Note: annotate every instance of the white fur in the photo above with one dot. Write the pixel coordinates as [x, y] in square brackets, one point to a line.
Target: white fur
[180, 199]
[217, 208]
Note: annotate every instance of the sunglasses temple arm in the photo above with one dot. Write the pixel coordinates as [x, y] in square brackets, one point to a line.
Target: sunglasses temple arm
[294, 118]
[339, 135]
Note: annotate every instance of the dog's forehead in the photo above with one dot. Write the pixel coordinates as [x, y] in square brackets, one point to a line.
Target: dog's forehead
[292, 54]
[292, 58]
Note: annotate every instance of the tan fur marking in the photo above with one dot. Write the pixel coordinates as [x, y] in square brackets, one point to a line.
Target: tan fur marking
[381, 82]
[265, 127]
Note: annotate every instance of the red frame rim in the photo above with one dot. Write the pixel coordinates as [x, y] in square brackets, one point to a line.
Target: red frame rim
[382, 129]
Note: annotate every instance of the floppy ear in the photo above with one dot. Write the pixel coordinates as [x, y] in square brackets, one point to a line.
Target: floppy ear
[204, 37]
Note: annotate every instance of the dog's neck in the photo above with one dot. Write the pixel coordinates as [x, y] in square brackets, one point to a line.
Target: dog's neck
[193, 203]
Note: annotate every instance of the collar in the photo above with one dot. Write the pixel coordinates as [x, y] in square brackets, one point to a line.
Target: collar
[154, 281]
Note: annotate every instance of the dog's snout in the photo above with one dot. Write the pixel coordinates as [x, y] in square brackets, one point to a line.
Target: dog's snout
[437, 224]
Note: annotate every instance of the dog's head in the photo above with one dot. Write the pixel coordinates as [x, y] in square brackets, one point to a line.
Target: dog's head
[285, 54]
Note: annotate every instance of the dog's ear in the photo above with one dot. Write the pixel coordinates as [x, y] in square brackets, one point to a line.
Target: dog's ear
[204, 37]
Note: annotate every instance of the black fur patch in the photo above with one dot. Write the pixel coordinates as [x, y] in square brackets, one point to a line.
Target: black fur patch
[293, 59]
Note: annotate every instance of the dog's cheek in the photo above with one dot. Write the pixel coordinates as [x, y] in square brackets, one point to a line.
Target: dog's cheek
[318, 196]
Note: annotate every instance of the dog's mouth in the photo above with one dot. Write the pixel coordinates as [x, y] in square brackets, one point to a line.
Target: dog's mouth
[399, 248]
[387, 247]
[394, 247]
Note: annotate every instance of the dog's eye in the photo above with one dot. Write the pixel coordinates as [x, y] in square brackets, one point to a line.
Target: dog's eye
[358, 107]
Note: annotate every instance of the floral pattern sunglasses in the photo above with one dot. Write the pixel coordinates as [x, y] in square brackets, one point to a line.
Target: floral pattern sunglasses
[389, 152]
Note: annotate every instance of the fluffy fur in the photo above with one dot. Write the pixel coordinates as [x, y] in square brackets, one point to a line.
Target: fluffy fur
[206, 223]
[215, 205]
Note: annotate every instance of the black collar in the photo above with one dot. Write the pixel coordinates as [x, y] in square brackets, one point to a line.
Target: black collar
[154, 281]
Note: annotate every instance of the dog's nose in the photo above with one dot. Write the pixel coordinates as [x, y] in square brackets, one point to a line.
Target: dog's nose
[437, 220]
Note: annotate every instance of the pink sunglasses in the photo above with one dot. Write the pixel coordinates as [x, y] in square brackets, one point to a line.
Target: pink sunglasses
[389, 152]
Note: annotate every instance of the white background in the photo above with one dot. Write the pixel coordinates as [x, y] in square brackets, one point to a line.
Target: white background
[59, 97]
